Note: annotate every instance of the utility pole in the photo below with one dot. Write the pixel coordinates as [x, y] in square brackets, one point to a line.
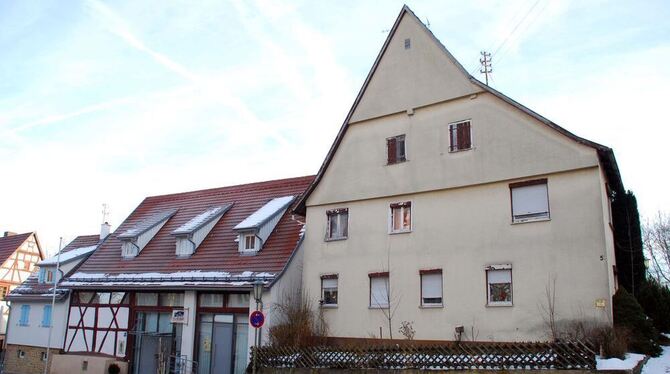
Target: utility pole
[56, 279]
[486, 68]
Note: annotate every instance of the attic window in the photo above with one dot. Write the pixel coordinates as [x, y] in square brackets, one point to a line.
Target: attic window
[255, 229]
[408, 43]
[192, 233]
[395, 149]
[136, 238]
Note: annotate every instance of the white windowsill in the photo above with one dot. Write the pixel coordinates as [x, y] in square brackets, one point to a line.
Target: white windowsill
[431, 306]
[461, 150]
[400, 232]
[529, 220]
[499, 304]
[329, 306]
[336, 239]
[378, 307]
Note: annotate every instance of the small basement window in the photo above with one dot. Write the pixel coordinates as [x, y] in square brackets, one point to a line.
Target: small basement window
[379, 290]
[338, 222]
[395, 149]
[530, 201]
[329, 290]
[499, 285]
[431, 287]
[459, 136]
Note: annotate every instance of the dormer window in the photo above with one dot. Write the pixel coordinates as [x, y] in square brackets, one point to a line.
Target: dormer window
[192, 233]
[250, 242]
[255, 229]
[136, 238]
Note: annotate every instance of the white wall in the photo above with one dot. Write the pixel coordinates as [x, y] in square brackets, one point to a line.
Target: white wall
[34, 334]
[461, 231]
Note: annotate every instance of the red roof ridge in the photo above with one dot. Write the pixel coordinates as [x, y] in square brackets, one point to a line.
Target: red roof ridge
[237, 188]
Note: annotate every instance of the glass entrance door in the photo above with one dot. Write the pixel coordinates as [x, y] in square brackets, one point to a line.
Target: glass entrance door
[222, 345]
[156, 341]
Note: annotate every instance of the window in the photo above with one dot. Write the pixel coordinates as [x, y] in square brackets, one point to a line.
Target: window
[146, 299]
[3, 292]
[211, 300]
[49, 276]
[25, 315]
[238, 300]
[46, 316]
[249, 242]
[379, 290]
[408, 43]
[395, 149]
[459, 136]
[171, 299]
[329, 290]
[21, 353]
[338, 222]
[401, 217]
[530, 200]
[44, 356]
[499, 285]
[431, 287]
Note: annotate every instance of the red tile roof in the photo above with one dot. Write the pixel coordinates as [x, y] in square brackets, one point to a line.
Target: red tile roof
[219, 251]
[31, 286]
[9, 244]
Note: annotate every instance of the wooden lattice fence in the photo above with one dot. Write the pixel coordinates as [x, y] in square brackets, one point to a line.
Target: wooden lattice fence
[448, 356]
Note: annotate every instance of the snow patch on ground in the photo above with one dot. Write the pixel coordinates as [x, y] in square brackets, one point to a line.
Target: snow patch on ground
[264, 213]
[67, 256]
[617, 364]
[660, 364]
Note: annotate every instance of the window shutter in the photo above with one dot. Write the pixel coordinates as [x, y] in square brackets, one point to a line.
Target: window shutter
[453, 139]
[391, 150]
[400, 148]
[344, 221]
[40, 277]
[431, 285]
[25, 312]
[465, 140]
[329, 283]
[379, 296]
[46, 317]
[500, 276]
[530, 200]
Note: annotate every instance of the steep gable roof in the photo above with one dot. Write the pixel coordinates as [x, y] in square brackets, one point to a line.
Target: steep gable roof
[79, 247]
[605, 154]
[32, 289]
[9, 244]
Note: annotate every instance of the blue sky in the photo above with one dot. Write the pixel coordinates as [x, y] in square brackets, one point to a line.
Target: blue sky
[109, 102]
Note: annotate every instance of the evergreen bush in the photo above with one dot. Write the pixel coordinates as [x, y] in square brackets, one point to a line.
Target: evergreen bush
[628, 314]
[655, 301]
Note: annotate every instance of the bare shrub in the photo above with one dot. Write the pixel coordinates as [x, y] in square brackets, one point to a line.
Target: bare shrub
[611, 341]
[297, 324]
[407, 329]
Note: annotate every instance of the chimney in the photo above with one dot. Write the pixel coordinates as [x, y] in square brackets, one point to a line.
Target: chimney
[105, 228]
[9, 233]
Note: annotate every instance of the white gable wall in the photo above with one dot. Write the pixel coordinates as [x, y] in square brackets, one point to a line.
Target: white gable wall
[34, 334]
[411, 78]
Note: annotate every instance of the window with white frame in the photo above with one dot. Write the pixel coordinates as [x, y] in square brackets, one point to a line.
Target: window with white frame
[329, 290]
[431, 287]
[379, 290]
[401, 217]
[459, 136]
[395, 149]
[499, 285]
[249, 242]
[338, 222]
[530, 200]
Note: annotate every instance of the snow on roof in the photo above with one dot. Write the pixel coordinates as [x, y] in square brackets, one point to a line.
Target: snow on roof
[180, 278]
[147, 224]
[201, 219]
[68, 256]
[265, 213]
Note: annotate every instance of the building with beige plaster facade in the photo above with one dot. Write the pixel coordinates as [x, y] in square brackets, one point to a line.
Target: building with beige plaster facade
[445, 203]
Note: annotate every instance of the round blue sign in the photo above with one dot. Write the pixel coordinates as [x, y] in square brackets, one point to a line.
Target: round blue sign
[257, 319]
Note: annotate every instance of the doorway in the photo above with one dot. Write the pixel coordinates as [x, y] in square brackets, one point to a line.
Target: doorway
[222, 343]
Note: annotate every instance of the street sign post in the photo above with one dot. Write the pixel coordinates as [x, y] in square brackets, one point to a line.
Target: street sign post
[257, 319]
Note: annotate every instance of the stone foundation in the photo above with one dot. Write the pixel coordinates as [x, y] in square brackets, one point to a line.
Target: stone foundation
[31, 361]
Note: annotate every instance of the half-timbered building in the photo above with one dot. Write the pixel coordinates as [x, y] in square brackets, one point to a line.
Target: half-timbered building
[39, 311]
[19, 253]
[171, 288]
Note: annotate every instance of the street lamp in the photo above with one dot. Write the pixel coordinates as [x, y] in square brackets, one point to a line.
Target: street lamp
[258, 296]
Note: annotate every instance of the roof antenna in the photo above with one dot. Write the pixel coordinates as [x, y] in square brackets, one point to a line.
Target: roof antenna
[486, 68]
[105, 213]
[427, 22]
